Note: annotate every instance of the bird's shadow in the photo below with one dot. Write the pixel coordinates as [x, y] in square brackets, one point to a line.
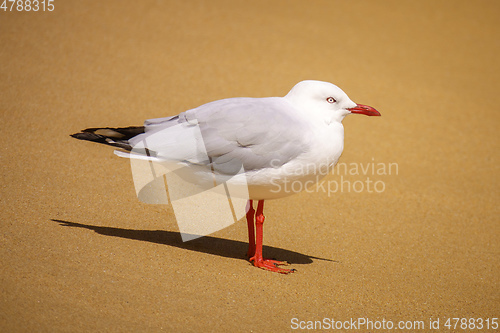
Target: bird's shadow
[212, 245]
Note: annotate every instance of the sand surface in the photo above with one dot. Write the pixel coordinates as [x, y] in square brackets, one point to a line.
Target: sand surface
[79, 252]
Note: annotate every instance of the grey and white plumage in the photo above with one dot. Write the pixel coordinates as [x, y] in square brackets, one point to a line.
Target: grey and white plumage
[297, 137]
[254, 146]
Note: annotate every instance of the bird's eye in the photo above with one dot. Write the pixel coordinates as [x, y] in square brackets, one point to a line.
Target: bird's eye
[331, 100]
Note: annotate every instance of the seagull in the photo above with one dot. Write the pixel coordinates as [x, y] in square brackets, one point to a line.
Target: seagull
[263, 144]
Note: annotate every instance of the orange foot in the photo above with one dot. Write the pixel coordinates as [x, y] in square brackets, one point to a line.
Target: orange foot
[272, 265]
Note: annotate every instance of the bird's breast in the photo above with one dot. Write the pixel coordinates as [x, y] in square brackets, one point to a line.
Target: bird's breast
[324, 150]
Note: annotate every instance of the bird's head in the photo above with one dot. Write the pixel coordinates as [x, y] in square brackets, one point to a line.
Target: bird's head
[325, 100]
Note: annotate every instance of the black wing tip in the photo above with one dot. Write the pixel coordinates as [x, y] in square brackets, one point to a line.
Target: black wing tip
[98, 138]
[89, 136]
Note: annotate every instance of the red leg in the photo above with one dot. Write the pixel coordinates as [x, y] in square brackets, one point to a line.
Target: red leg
[251, 230]
[258, 260]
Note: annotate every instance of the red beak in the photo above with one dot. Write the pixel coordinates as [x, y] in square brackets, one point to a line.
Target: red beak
[364, 109]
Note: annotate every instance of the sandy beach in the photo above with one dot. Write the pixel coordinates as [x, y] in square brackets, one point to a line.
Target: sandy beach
[405, 232]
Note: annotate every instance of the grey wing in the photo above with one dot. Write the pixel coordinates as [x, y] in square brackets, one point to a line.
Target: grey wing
[253, 133]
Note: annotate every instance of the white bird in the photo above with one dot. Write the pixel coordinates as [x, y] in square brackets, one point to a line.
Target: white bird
[263, 144]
